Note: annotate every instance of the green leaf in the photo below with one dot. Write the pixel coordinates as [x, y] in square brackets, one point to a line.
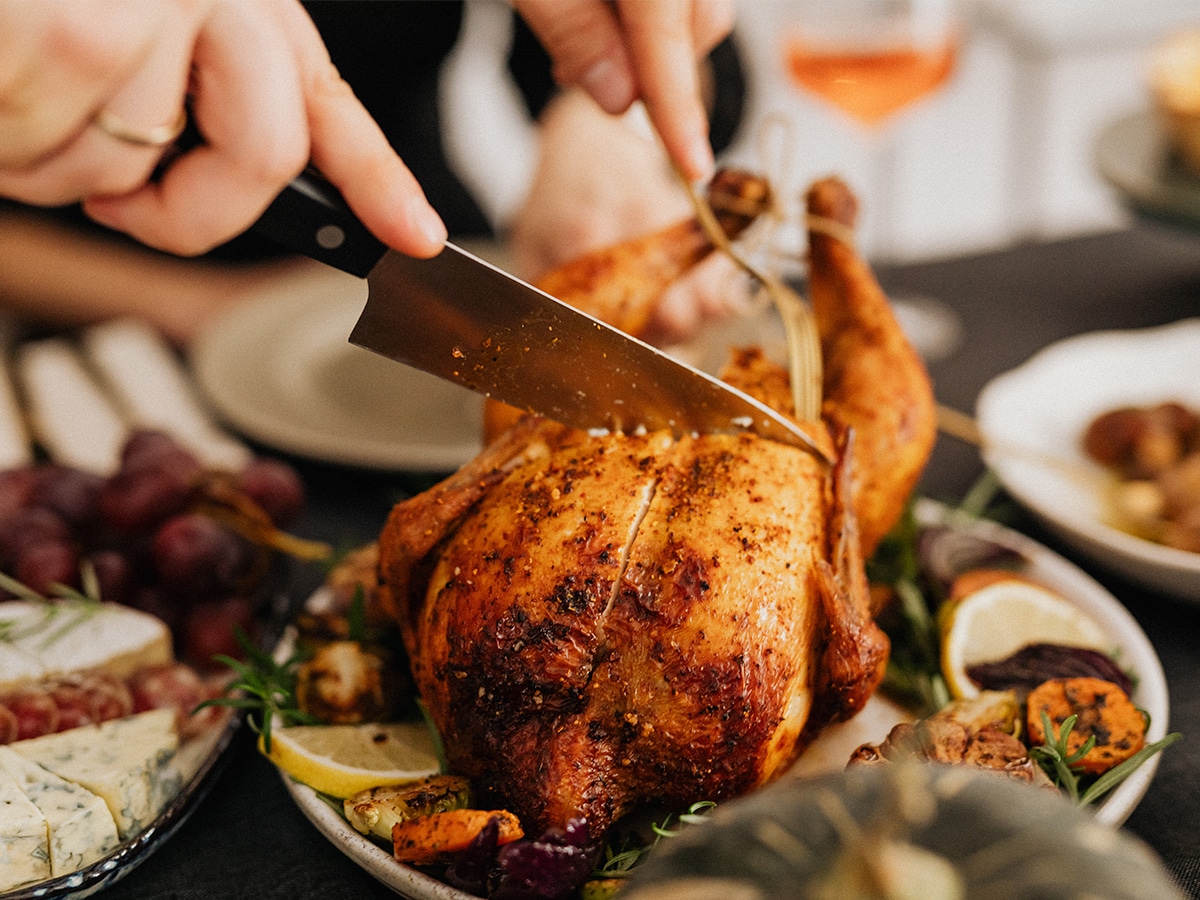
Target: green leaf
[1124, 769]
[356, 615]
[263, 688]
[620, 863]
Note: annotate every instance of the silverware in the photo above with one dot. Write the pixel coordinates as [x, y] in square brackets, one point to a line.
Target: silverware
[465, 320]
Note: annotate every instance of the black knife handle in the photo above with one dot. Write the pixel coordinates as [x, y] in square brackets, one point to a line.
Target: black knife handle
[310, 217]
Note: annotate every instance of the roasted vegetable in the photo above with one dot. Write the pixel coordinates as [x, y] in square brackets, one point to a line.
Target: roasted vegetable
[343, 684]
[376, 810]
[1035, 664]
[1103, 712]
[430, 839]
[979, 732]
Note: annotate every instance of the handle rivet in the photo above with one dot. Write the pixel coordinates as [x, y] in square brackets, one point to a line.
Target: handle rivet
[330, 237]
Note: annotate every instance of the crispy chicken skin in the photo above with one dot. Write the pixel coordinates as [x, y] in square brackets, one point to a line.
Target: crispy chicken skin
[599, 621]
[874, 381]
[620, 284]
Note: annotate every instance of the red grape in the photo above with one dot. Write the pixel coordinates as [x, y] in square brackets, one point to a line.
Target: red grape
[114, 575]
[157, 477]
[42, 564]
[141, 535]
[139, 497]
[34, 525]
[16, 488]
[275, 486]
[208, 630]
[194, 554]
[71, 493]
[146, 446]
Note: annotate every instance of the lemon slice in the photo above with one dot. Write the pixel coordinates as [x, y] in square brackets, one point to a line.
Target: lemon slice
[996, 621]
[341, 760]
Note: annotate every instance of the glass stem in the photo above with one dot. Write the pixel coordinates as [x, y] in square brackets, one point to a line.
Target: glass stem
[885, 193]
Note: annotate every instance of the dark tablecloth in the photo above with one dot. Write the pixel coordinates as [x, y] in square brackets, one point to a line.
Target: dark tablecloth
[248, 840]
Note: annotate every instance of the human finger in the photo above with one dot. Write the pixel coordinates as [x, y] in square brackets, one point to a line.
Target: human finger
[350, 149]
[712, 22]
[288, 106]
[119, 150]
[620, 51]
[586, 43]
[248, 106]
[59, 62]
[665, 59]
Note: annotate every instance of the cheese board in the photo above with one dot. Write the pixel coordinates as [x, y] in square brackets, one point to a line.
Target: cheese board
[134, 762]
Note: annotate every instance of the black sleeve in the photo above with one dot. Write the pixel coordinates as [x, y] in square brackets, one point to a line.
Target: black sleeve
[390, 54]
[729, 94]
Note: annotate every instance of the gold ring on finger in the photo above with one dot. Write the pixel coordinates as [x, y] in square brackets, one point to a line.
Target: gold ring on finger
[156, 136]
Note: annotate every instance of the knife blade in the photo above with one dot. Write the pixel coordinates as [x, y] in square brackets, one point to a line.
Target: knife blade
[465, 320]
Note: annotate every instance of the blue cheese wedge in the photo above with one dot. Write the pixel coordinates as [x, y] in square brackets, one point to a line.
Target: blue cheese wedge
[38, 640]
[82, 829]
[120, 761]
[24, 837]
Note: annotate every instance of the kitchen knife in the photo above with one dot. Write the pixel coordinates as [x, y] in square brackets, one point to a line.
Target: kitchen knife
[470, 322]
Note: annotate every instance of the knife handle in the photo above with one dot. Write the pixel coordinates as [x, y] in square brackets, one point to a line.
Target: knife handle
[310, 217]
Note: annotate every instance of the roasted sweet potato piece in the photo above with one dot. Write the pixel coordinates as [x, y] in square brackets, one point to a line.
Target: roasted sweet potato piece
[428, 839]
[1104, 712]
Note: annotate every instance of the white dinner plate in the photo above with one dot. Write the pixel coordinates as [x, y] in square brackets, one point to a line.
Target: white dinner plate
[1038, 412]
[278, 368]
[832, 749]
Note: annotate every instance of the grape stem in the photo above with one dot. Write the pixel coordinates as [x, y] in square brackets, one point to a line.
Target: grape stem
[234, 509]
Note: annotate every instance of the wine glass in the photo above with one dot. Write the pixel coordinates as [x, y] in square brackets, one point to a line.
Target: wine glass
[874, 60]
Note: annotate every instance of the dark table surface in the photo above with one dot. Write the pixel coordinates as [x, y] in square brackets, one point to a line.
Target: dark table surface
[247, 839]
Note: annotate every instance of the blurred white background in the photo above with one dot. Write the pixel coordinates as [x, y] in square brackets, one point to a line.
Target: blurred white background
[1004, 151]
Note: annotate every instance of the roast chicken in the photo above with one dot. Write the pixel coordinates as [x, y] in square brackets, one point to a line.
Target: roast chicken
[596, 621]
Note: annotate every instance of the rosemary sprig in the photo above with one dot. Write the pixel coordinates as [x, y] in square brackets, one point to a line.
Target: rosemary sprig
[1056, 758]
[914, 669]
[263, 688]
[1123, 770]
[62, 600]
[620, 863]
[1057, 761]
